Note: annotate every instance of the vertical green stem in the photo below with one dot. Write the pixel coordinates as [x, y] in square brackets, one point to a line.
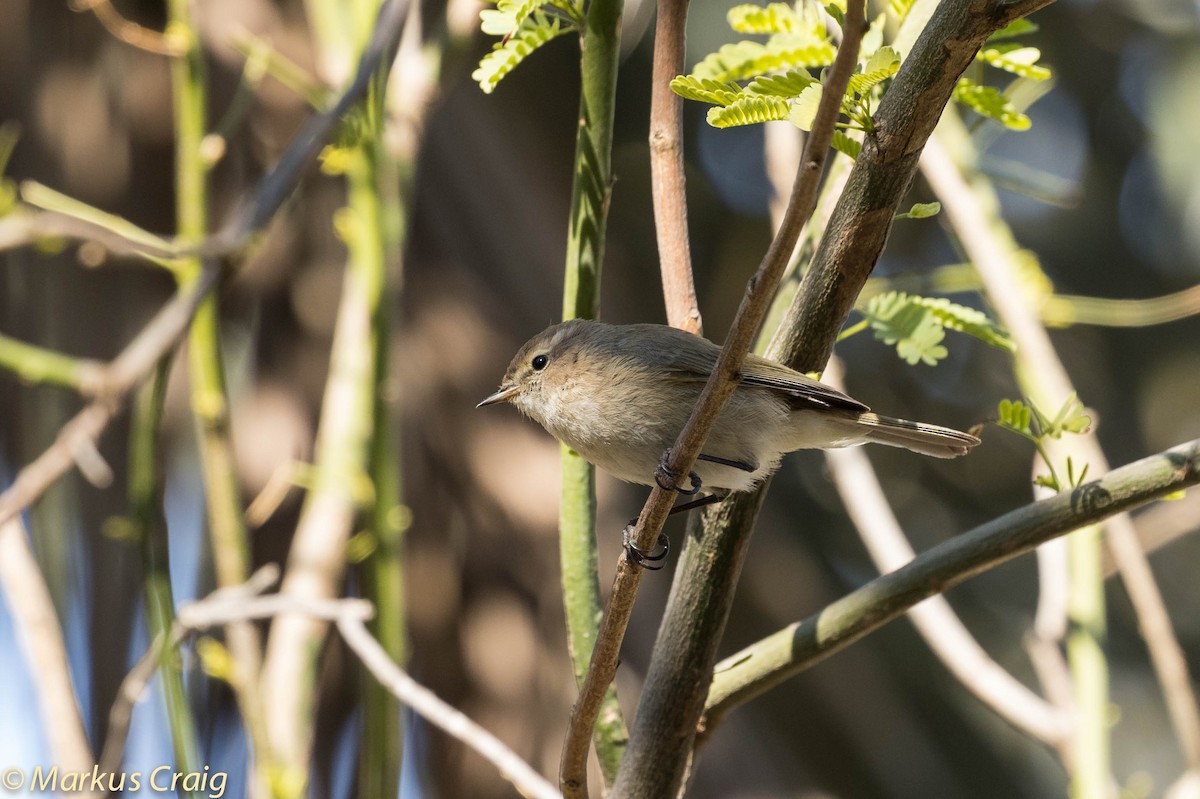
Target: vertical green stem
[600, 45]
[231, 552]
[145, 499]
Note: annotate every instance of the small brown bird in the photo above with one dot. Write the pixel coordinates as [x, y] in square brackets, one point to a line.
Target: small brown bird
[619, 395]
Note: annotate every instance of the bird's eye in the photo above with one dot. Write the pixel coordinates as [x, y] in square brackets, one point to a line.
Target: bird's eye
[539, 362]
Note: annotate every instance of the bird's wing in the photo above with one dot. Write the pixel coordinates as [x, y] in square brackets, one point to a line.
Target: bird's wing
[694, 363]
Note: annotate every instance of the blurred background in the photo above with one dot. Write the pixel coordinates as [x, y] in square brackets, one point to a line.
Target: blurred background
[1105, 189]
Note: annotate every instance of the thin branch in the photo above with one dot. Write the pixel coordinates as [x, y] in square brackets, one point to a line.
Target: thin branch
[790, 651]
[440, 714]
[244, 603]
[666, 169]
[130, 33]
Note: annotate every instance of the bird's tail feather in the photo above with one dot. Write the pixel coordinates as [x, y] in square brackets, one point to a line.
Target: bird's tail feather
[927, 439]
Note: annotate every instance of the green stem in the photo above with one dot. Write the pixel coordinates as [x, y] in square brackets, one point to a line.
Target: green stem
[231, 551]
[145, 499]
[600, 45]
[34, 364]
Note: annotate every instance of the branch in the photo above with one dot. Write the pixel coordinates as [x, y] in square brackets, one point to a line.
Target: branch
[243, 603]
[666, 169]
[790, 651]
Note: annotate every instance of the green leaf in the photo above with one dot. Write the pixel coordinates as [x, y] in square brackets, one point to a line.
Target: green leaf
[535, 31]
[990, 102]
[1015, 415]
[846, 145]
[921, 211]
[790, 84]
[783, 51]
[805, 108]
[705, 90]
[973, 322]
[914, 330]
[749, 109]
[861, 83]
[1018, 27]
[773, 18]
[1015, 59]
[881, 59]
[1046, 481]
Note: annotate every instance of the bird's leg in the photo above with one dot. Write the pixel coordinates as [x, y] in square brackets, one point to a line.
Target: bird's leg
[667, 480]
[651, 560]
[711, 499]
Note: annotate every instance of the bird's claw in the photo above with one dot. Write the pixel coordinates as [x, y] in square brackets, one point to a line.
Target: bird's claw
[668, 480]
[651, 560]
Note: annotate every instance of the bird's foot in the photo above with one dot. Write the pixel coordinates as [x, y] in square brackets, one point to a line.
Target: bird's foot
[668, 480]
[650, 560]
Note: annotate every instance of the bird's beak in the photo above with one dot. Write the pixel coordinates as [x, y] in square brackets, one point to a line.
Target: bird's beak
[503, 393]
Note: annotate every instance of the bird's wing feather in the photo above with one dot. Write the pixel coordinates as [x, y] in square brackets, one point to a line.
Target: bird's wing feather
[695, 363]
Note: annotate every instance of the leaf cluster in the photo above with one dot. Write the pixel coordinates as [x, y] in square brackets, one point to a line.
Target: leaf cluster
[524, 26]
[751, 81]
[1027, 420]
[917, 325]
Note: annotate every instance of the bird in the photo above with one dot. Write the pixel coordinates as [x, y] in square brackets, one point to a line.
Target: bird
[620, 394]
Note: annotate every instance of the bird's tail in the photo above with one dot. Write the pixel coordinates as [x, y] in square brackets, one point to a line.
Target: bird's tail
[927, 439]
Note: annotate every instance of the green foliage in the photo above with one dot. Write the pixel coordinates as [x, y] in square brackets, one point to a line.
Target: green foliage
[1016, 59]
[917, 325]
[990, 102]
[1027, 420]
[534, 31]
[798, 41]
[749, 109]
[846, 145]
[921, 211]
[773, 18]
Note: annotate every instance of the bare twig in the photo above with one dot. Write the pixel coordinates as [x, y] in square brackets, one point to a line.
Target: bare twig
[441, 715]
[786, 653]
[244, 603]
[666, 169]
[130, 33]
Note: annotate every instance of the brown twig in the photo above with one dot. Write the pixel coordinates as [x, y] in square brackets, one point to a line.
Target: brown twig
[701, 595]
[759, 290]
[666, 169]
[244, 603]
[130, 33]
